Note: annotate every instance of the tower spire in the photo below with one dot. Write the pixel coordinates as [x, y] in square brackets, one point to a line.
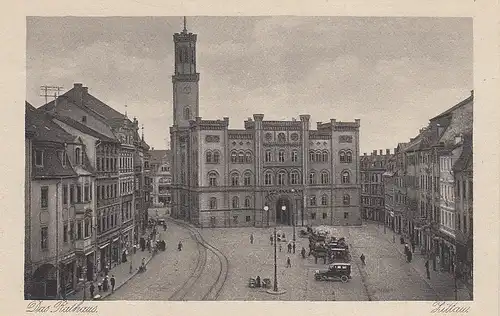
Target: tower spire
[142, 132]
[185, 25]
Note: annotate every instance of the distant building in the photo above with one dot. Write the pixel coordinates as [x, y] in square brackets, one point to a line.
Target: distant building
[161, 175]
[226, 177]
[373, 168]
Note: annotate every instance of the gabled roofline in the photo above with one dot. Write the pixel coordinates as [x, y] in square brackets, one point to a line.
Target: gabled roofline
[450, 110]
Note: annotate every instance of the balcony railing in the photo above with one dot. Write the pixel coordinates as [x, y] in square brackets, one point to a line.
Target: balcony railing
[83, 244]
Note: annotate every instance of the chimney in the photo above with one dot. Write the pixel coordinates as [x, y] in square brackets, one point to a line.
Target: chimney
[152, 148]
[78, 93]
[364, 154]
[472, 93]
[381, 152]
[387, 151]
[375, 152]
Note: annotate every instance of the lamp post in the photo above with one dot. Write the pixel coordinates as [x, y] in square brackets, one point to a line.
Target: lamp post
[266, 209]
[275, 290]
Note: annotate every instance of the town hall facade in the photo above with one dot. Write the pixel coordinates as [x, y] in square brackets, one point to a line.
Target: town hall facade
[269, 173]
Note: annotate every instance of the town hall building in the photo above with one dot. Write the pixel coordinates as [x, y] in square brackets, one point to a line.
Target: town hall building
[269, 173]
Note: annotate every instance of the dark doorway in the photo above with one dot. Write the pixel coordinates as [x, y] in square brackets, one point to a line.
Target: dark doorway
[283, 216]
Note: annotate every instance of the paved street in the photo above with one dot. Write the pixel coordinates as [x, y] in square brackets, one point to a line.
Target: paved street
[172, 275]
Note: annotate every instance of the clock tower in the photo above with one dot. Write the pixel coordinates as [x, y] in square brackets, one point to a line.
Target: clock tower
[185, 79]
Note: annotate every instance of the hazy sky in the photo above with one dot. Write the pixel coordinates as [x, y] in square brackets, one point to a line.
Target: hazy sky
[392, 73]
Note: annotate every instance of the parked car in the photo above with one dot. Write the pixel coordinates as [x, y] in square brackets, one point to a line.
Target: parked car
[335, 272]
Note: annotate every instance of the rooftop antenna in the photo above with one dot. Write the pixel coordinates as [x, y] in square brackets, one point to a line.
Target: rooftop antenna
[185, 27]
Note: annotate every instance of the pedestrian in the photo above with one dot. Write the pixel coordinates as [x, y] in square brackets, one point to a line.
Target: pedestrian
[179, 246]
[303, 253]
[258, 281]
[288, 263]
[362, 259]
[271, 239]
[92, 289]
[106, 270]
[427, 269]
[293, 246]
[112, 280]
[412, 247]
[410, 255]
[105, 284]
[251, 238]
[280, 247]
[289, 248]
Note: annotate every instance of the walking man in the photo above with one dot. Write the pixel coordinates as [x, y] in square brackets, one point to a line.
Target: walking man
[179, 246]
[251, 238]
[288, 263]
[427, 269]
[289, 248]
[92, 289]
[362, 259]
[112, 283]
[293, 246]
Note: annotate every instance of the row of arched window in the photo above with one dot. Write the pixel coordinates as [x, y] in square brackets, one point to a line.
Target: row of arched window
[282, 156]
[345, 156]
[280, 178]
[235, 202]
[212, 156]
[318, 155]
[241, 156]
[346, 200]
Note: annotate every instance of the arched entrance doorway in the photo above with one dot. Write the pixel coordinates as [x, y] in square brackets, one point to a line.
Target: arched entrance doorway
[283, 217]
[44, 282]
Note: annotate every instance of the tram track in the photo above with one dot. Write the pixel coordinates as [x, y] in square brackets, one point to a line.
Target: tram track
[216, 287]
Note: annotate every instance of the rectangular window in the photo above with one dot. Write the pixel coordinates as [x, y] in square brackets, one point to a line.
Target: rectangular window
[44, 197]
[65, 194]
[79, 230]
[247, 218]
[45, 238]
[78, 193]
[65, 233]
[90, 192]
[313, 215]
[324, 215]
[115, 189]
[38, 158]
[87, 228]
[86, 191]
[346, 214]
[235, 219]
[98, 164]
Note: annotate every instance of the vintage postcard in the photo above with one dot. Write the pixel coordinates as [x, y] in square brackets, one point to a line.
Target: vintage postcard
[329, 158]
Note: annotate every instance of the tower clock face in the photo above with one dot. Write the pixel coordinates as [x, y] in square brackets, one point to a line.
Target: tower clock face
[186, 89]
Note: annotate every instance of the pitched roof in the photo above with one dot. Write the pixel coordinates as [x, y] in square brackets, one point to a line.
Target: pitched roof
[102, 108]
[44, 128]
[452, 109]
[52, 165]
[157, 156]
[465, 159]
[84, 129]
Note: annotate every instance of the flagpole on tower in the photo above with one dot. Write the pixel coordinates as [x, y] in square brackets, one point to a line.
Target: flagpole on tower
[185, 25]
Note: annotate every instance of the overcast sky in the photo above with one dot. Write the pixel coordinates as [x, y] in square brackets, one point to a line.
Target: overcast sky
[392, 73]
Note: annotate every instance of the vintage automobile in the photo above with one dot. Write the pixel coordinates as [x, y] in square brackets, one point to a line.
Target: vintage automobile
[339, 255]
[335, 272]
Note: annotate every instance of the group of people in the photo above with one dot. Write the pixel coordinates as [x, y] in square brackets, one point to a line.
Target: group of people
[107, 282]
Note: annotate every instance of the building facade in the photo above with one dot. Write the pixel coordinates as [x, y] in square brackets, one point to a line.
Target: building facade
[106, 142]
[161, 175]
[373, 168]
[431, 172]
[225, 177]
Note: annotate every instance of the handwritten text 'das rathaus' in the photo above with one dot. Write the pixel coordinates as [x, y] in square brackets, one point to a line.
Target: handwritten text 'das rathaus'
[60, 307]
[449, 307]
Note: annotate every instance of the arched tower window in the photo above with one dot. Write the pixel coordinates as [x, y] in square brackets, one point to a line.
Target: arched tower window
[324, 199]
[241, 157]
[325, 177]
[216, 157]
[281, 178]
[209, 157]
[295, 179]
[312, 177]
[346, 177]
[268, 178]
[247, 202]
[236, 202]
[213, 203]
[325, 156]
[248, 157]
[212, 178]
[342, 156]
[348, 157]
[234, 157]
[235, 179]
[247, 178]
[346, 200]
[187, 113]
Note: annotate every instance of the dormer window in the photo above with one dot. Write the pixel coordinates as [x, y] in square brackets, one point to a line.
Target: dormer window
[78, 156]
[38, 158]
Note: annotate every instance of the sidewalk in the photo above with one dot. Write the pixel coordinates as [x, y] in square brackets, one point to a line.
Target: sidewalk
[442, 283]
[121, 272]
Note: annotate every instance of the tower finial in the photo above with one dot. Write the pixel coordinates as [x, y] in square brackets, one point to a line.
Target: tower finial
[142, 132]
[185, 25]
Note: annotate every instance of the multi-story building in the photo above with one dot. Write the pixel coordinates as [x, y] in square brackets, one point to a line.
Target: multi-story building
[373, 168]
[142, 190]
[395, 189]
[462, 171]
[112, 140]
[61, 208]
[430, 216]
[226, 177]
[161, 174]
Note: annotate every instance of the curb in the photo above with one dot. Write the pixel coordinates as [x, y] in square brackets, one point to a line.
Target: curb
[130, 277]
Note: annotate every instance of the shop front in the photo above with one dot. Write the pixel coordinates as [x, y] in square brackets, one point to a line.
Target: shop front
[115, 251]
[103, 256]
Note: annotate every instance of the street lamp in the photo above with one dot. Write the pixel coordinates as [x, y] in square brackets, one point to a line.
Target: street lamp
[275, 287]
[266, 209]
